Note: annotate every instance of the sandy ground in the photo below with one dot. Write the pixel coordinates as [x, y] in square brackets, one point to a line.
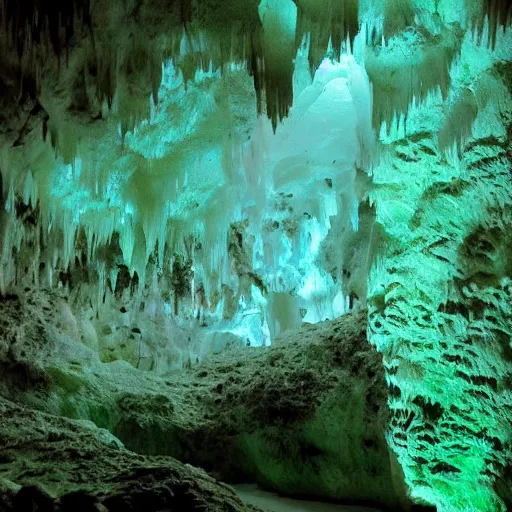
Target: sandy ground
[269, 502]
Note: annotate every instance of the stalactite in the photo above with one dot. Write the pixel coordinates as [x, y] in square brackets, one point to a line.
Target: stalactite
[256, 70]
[497, 13]
[327, 21]
[156, 76]
[398, 15]
[105, 67]
[407, 70]
[279, 21]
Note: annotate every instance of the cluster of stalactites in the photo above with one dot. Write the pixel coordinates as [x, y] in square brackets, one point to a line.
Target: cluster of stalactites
[30, 22]
[268, 44]
[44, 243]
[497, 13]
[49, 249]
[266, 40]
[405, 66]
[402, 74]
[328, 23]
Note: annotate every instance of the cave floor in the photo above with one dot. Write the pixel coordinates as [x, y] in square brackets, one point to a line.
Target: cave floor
[270, 502]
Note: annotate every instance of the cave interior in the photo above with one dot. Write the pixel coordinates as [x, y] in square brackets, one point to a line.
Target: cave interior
[255, 255]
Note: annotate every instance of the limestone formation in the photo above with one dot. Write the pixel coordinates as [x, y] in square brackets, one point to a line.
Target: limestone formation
[186, 183]
[284, 416]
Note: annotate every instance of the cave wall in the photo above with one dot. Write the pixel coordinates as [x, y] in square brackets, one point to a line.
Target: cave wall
[440, 293]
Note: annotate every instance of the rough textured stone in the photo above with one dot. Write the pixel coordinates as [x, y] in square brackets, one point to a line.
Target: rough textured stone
[440, 307]
[305, 417]
[65, 462]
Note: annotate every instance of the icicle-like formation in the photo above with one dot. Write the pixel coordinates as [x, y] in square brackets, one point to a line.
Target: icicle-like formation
[328, 22]
[279, 19]
[408, 68]
[493, 15]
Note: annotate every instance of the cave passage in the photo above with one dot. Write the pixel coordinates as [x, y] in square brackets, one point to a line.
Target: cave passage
[263, 244]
